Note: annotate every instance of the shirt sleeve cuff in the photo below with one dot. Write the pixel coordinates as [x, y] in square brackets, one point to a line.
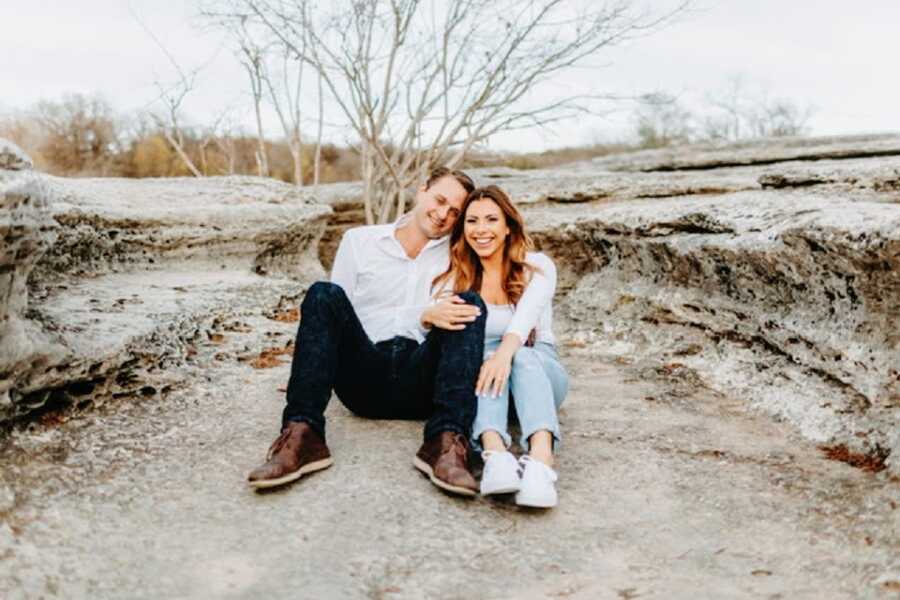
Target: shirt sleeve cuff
[523, 336]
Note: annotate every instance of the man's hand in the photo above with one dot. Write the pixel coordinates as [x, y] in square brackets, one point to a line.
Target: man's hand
[451, 313]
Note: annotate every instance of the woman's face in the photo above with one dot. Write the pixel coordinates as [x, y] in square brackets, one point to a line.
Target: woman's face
[485, 227]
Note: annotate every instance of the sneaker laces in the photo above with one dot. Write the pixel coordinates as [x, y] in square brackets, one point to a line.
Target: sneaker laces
[546, 469]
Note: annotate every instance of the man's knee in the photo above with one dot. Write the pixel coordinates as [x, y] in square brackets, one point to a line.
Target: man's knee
[475, 299]
[324, 291]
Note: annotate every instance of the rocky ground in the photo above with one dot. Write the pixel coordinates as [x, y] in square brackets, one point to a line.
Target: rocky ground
[667, 491]
[729, 316]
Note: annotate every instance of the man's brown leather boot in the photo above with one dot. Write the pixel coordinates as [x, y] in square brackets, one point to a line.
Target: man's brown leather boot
[445, 459]
[297, 451]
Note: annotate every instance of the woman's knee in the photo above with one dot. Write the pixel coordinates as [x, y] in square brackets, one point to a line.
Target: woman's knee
[527, 359]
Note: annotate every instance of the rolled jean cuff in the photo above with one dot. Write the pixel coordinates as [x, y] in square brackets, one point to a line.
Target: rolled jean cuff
[433, 429]
[527, 433]
[476, 437]
[316, 426]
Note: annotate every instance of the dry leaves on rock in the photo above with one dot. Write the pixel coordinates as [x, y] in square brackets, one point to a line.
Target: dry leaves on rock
[289, 315]
[870, 463]
[270, 357]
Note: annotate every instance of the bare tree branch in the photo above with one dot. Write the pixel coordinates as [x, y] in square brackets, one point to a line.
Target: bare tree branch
[421, 82]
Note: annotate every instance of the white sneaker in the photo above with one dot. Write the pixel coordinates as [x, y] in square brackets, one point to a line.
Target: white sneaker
[501, 473]
[538, 487]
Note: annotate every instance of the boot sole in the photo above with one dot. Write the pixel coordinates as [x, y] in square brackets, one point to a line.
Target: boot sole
[304, 470]
[427, 470]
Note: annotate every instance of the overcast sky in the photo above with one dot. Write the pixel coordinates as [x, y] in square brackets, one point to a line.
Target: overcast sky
[839, 56]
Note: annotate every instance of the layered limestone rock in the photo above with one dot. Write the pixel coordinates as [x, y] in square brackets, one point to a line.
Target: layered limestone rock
[767, 272]
[755, 152]
[879, 180]
[115, 224]
[786, 297]
[125, 275]
[792, 303]
[26, 232]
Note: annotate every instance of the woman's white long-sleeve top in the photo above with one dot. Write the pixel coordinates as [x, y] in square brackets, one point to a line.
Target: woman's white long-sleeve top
[534, 310]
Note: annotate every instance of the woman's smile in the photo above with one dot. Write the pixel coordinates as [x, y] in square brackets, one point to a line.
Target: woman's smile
[485, 227]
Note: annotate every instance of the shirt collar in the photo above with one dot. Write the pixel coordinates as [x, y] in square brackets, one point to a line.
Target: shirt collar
[403, 220]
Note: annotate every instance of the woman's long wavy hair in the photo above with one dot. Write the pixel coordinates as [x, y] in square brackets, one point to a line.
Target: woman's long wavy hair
[465, 270]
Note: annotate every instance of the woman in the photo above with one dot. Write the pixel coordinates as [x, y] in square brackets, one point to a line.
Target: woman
[489, 254]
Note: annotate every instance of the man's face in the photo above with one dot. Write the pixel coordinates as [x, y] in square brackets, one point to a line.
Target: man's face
[437, 207]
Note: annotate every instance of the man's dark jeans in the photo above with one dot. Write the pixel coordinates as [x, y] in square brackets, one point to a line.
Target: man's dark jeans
[393, 379]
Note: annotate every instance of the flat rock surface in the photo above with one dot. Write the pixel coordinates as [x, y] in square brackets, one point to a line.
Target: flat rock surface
[123, 331]
[120, 271]
[753, 152]
[114, 223]
[664, 493]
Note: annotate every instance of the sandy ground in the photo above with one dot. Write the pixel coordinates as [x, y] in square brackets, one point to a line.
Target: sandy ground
[664, 493]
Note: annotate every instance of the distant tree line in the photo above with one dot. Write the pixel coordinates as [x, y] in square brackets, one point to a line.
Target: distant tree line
[83, 136]
[736, 112]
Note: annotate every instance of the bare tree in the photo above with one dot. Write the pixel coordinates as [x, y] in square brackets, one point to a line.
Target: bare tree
[662, 121]
[79, 134]
[780, 117]
[320, 120]
[732, 101]
[226, 130]
[171, 96]
[253, 58]
[421, 82]
[286, 101]
[221, 135]
[169, 122]
[741, 111]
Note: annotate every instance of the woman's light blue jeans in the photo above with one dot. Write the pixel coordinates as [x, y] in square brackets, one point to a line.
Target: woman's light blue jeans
[538, 384]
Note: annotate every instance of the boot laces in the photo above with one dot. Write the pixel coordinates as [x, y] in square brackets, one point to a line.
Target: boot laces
[458, 444]
[279, 443]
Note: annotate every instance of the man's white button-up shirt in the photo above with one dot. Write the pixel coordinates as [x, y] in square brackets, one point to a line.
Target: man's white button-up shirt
[388, 289]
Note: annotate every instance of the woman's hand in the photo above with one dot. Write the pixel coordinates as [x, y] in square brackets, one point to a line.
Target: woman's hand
[494, 374]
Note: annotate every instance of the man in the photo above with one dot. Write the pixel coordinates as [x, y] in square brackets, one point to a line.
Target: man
[365, 335]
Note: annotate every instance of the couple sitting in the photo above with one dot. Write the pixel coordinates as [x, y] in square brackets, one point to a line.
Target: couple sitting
[419, 324]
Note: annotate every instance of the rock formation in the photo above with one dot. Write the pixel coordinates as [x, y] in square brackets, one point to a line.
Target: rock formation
[768, 272]
[693, 307]
[26, 232]
[786, 296]
[123, 274]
